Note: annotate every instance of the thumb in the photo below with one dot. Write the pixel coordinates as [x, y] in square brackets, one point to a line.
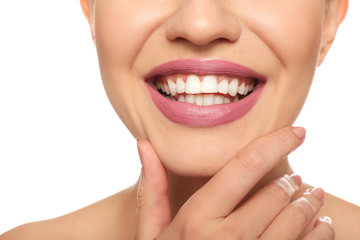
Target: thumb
[153, 208]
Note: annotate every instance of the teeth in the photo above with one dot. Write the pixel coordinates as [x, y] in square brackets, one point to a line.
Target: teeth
[251, 86]
[209, 85]
[219, 99]
[172, 87]
[163, 87]
[241, 89]
[224, 87]
[190, 98]
[199, 100]
[181, 98]
[209, 99]
[246, 90]
[233, 87]
[206, 99]
[180, 85]
[158, 85]
[193, 84]
[167, 89]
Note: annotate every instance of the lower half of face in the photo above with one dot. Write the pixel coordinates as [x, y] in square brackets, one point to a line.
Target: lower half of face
[200, 79]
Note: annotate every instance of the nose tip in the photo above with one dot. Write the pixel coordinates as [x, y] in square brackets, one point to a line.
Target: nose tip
[202, 22]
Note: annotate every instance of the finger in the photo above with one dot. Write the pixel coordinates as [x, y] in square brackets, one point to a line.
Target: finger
[323, 230]
[261, 209]
[229, 186]
[292, 221]
[153, 209]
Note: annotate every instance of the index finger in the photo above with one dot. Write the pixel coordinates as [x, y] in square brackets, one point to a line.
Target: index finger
[219, 196]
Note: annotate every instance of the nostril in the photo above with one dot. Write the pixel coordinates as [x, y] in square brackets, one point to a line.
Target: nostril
[201, 23]
[200, 41]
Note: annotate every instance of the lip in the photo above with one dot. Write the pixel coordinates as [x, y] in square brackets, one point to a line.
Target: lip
[194, 115]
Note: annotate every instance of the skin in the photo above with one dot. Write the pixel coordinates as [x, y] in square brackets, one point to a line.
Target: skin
[284, 49]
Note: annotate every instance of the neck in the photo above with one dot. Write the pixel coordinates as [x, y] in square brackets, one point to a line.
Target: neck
[181, 188]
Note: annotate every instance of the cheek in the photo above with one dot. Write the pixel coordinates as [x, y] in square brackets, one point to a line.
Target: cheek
[290, 28]
[119, 36]
[115, 40]
[293, 33]
[122, 28]
[299, 46]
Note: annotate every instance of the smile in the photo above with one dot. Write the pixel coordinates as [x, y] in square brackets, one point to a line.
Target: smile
[204, 92]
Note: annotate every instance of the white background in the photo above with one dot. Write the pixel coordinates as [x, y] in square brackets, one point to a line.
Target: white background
[62, 146]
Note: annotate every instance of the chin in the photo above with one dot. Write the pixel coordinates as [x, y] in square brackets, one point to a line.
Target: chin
[200, 152]
[195, 163]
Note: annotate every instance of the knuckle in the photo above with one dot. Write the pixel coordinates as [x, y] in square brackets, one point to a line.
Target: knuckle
[331, 231]
[327, 233]
[189, 231]
[253, 160]
[284, 139]
[227, 233]
[313, 201]
[278, 191]
[299, 215]
[191, 225]
[222, 235]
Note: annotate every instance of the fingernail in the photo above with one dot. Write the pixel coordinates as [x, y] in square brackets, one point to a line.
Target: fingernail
[300, 132]
[318, 193]
[326, 219]
[296, 179]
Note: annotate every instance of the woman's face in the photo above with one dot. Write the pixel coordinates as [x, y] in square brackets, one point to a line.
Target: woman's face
[273, 45]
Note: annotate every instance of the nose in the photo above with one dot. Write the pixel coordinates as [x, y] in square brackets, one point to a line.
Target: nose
[202, 22]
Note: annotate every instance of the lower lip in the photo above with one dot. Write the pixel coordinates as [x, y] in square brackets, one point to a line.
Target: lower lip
[194, 115]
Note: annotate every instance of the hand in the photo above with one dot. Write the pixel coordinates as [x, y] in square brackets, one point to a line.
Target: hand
[211, 212]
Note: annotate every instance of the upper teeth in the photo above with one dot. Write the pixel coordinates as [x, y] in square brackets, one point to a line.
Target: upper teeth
[193, 84]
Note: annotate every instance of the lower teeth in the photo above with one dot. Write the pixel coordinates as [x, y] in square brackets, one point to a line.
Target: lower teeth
[203, 99]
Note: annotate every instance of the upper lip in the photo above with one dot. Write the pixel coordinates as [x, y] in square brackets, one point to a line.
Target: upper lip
[204, 67]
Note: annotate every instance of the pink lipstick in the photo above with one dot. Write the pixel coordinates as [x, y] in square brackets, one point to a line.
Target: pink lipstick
[212, 115]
